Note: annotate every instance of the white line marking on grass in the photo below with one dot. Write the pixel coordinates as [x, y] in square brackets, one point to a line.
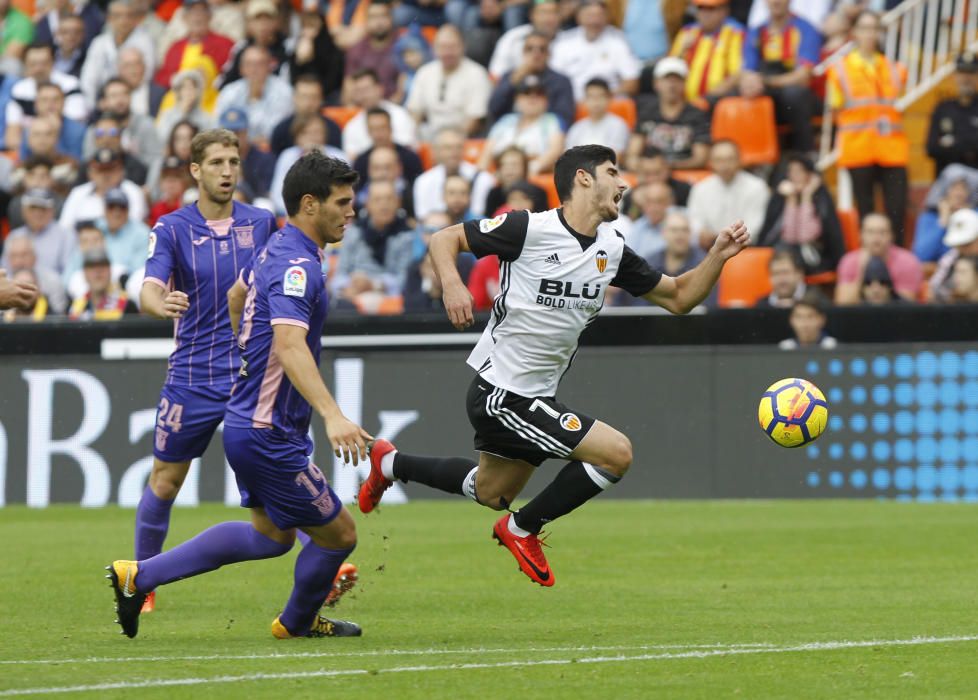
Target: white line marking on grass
[383, 652]
[519, 663]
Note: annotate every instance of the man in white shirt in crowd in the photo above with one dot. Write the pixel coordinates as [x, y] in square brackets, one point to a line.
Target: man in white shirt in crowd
[599, 126]
[429, 187]
[368, 92]
[102, 61]
[52, 243]
[105, 171]
[266, 98]
[20, 254]
[508, 54]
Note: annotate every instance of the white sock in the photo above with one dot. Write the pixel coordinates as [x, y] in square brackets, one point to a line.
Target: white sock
[387, 465]
[516, 529]
[468, 486]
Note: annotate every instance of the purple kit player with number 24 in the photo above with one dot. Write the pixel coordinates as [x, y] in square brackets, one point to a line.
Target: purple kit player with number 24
[266, 434]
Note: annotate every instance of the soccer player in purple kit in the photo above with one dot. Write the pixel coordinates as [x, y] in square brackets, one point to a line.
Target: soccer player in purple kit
[267, 422]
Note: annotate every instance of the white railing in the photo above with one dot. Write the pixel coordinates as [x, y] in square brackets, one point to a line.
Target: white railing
[926, 37]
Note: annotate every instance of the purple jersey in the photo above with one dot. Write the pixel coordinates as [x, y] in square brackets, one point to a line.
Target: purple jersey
[286, 285]
[192, 257]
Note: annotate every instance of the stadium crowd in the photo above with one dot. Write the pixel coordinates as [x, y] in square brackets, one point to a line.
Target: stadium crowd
[454, 109]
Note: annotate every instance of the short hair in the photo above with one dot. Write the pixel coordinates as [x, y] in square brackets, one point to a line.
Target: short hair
[109, 116]
[468, 185]
[813, 299]
[204, 139]
[366, 73]
[314, 174]
[726, 142]
[38, 45]
[498, 159]
[47, 84]
[586, 158]
[598, 83]
[87, 224]
[308, 79]
[789, 254]
[36, 161]
[300, 123]
[652, 152]
[113, 81]
[540, 35]
[379, 112]
[801, 159]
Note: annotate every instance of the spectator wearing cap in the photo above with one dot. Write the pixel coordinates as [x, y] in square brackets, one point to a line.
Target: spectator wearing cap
[102, 61]
[534, 62]
[375, 51]
[105, 300]
[266, 98]
[953, 133]
[778, 60]
[668, 122]
[932, 224]
[126, 241]
[310, 134]
[595, 49]
[104, 171]
[89, 237]
[36, 172]
[106, 133]
[712, 47]
[51, 241]
[877, 285]
[263, 29]
[312, 52]
[188, 91]
[509, 53]
[964, 281]
[530, 127]
[807, 319]
[20, 254]
[367, 93]
[200, 41]
[876, 241]
[381, 133]
[962, 240]
[174, 181]
[787, 274]
[307, 101]
[257, 164]
[598, 125]
[451, 91]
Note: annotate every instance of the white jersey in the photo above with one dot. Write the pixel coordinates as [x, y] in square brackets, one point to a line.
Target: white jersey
[552, 284]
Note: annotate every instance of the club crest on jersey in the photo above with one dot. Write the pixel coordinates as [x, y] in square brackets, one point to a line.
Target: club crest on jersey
[487, 225]
[568, 421]
[294, 284]
[244, 236]
[225, 247]
[601, 260]
[152, 244]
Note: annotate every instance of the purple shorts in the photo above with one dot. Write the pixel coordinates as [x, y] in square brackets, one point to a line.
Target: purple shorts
[186, 419]
[276, 474]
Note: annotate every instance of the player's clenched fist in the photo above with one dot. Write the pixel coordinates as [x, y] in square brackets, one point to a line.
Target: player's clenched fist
[732, 240]
[458, 306]
[175, 304]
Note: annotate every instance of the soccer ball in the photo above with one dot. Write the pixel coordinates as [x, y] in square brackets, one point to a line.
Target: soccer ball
[793, 412]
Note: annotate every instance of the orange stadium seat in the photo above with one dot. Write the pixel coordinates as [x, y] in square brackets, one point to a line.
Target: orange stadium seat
[624, 107]
[849, 218]
[744, 279]
[472, 150]
[546, 183]
[750, 124]
[426, 155]
[340, 114]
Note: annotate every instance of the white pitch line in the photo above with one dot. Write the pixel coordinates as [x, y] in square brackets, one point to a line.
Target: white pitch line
[379, 652]
[253, 677]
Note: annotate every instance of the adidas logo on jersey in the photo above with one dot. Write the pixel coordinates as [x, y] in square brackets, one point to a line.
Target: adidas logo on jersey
[552, 259]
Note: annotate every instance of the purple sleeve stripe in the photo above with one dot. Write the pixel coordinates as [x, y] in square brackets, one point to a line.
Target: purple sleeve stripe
[289, 322]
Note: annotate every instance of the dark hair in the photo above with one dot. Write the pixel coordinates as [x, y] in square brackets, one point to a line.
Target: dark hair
[48, 84]
[802, 160]
[109, 116]
[652, 152]
[813, 299]
[86, 223]
[34, 46]
[586, 158]
[36, 161]
[379, 111]
[599, 83]
[366, 73]
[540, 35]
[786, 253]
[205, 139]
[498, 159]
[300, 123]
[314, 174]
[730, 142]
[459, 177]
[309, 79]
[113, 81]
[173, 131]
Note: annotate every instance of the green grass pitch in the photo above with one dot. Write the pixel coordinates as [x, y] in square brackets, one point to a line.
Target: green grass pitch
[653, 599]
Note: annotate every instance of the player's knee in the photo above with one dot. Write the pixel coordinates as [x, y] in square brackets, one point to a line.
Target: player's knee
[166, 483]
[620, 456]
[496, 499]
[346, 536]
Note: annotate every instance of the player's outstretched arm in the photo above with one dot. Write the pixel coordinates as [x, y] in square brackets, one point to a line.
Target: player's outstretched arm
[682, 294]
[236, 301]
[157, 301]
[445, 247]
[348, 439]
[16, 295]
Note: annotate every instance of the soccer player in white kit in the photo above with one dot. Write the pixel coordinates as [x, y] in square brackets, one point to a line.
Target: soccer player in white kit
[554, 269]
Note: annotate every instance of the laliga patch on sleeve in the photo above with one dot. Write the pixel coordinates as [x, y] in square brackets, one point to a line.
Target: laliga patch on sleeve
[152, 244]
[487, 225]
[294, 284]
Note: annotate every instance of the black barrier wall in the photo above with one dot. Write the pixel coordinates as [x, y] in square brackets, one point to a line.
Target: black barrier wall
[903, 422]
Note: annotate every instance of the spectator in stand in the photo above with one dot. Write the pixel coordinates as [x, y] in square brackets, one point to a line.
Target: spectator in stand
[652, 167]
[560, 92]
[458, 198]
[188, 91]
[668, 122]
[411, 51]
[383, 166]
[313, 52]
[19, 254]
[928, 240]
[381, 134]
[201, 42]
[227, 19]
[17, 34]
[52, 243]
[713, 48]
[873, 146]
[429, 13]
[680, 254]
[45, 138]
[964, 281]
[645, 28]
[262, 30]
[962, 240]
[105, 300]
[471, 15]
[105, 171]
[90, 237]
[36, 172]
[778, 60]
[595, 49]
[106, 132]
[807, 319]
[174, 182]
[730, 193]
[953, 134]
[876, 238]
[428, 188]
[139, 135]
[70, 135]
[530, 126]
[377, 250]
[126, 241]
[37, 311]
[178, 144]
[801, 214]
[368, 93]
[71, 44]
[877, 285]
[39, 70]
[451, 91]
[265, 98]
[102, 60]
[307, 100]
[149, 22]
[70, 27]
[145, 96]
[645, 235]
[309, 134]
[375, 51]
[257, 164]
[787, 273]
[599, 126]
[422, 290]
[509, 53]
[512, 167]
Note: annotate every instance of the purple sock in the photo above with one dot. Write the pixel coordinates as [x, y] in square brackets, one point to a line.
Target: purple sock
[225, 543]
[152, 523]
[315, 569]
